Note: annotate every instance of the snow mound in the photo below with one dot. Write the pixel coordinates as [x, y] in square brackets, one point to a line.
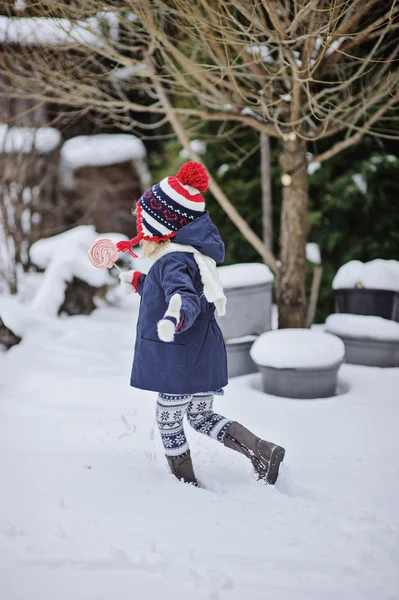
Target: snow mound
[43, 251]
[102, 150]
[297, 348]
[64, 257]
[364, 327]
[313, 253]
[244, 274]
[376, 274]
[45, 31]
[24, 140]
[19, 317]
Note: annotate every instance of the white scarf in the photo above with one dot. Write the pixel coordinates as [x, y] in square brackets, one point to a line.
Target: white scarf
[213, 289]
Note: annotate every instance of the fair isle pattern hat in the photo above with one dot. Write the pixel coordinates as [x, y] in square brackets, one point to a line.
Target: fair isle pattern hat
[169, 205]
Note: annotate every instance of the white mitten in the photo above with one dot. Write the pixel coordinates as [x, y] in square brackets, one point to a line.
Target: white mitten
[167, 326]
[126, 279]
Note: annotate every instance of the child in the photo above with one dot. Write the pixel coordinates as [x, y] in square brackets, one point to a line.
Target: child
[180, 352]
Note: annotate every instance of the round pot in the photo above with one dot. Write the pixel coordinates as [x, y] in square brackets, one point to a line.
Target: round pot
[248, 312]
[365, 301]
[369, 352]
[239, 361]
[303, 383]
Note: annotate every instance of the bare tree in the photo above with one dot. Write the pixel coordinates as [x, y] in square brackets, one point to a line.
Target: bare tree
[267, 205]
[316, 74]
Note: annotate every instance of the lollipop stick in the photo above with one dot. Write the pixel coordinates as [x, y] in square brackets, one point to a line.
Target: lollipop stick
[119, 269]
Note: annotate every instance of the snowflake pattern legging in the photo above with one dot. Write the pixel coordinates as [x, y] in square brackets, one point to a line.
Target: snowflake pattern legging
[171, 409]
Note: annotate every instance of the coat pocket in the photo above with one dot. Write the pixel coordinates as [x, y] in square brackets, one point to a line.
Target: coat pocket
[163, 364]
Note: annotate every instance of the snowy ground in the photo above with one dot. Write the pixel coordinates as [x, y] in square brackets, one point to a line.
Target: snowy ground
[89, 511]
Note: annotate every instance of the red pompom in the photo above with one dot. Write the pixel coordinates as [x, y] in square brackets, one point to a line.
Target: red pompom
[194, 174]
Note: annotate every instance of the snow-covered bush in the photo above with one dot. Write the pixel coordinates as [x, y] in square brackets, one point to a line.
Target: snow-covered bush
[65, 260]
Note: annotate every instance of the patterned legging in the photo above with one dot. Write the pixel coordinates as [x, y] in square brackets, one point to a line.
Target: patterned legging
[171, 409]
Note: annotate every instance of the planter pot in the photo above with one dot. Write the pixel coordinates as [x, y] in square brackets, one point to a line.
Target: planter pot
[370, 341]
[365, 301]
[248, 288]
[301, 383]
[371, 353]
[248, 311]
[239, 361]
[298, 363]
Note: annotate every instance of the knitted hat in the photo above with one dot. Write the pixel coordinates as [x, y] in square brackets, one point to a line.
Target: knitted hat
[169, 205]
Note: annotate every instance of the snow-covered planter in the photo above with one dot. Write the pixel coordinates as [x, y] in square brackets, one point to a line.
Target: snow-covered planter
[369, 340]
[298, 363]
[239, 361]
[368, 288]
[248, 288]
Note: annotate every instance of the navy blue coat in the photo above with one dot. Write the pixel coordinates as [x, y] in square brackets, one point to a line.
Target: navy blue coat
[196, 360]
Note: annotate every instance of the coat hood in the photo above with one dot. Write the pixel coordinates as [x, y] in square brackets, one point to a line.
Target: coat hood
[204, 236]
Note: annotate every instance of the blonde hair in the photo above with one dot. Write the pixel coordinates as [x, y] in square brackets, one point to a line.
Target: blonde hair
[151, 249]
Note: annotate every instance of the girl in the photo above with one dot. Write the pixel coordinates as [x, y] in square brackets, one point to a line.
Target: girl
[180, 352]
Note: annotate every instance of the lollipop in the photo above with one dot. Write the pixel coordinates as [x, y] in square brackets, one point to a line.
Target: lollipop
[103, 253]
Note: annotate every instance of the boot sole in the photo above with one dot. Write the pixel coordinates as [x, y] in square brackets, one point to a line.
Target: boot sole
[275, 462]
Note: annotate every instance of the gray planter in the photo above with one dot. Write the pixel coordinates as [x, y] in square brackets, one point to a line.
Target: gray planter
[301, 383]
[248, 312]
[371, 353]
[239, 361]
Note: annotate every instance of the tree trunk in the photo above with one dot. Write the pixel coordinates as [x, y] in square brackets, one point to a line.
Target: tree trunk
[293, 234]
[266, 191]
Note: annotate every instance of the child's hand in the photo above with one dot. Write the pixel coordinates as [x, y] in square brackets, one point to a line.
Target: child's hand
[171, 321]
[126, 279]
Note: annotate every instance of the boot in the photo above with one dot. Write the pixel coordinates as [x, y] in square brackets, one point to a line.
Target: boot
[265, 456]
[182, 468]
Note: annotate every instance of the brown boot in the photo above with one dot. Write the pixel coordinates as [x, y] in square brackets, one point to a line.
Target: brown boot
[182, 468]
[265, 456]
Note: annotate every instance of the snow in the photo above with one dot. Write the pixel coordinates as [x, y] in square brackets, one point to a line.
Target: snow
[364, 327]
[251, 113]
[336, 44]
[102, 150]
[244, 274]
[61, 271]
[127, 72]
[89, 510]
[197, 146]
[245, 339]
[376, 274]
[360, 182]
[41, 31]
[313, 167]
[44, 31]
[264, 52]
[23, 140]
[64, 257]
[223, 169]
[297, 348]
[20, 5]
[286, 97]
[313, 253]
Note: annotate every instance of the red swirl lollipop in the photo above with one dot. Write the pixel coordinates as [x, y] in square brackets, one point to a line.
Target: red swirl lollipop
[103, 253]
